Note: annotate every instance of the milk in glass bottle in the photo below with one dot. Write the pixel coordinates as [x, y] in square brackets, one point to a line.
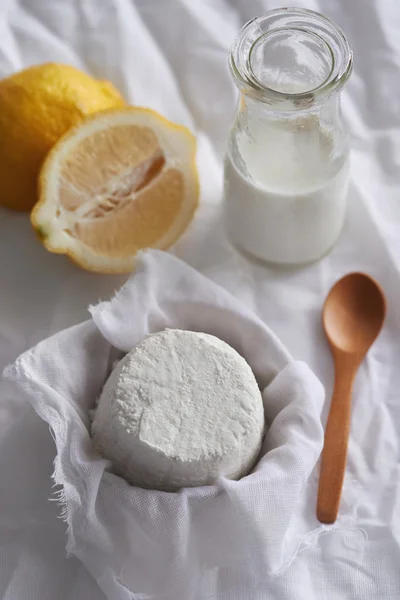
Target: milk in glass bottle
[287, 164]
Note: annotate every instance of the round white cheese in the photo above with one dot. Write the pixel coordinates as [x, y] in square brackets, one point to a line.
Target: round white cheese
[180, 410]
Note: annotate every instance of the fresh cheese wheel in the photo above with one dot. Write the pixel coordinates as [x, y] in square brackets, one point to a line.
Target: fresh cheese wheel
[180, 410]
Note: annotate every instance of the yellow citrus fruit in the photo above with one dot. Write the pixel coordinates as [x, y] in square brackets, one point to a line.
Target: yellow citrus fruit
[120, 181]
[37, 106]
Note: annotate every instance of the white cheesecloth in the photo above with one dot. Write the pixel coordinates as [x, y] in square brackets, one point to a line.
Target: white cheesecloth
[149, 545]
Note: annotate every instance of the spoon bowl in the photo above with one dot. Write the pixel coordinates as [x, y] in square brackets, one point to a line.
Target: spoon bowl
[353, 315]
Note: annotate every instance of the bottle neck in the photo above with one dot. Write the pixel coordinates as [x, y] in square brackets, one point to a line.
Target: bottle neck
[256, 118]
[302, 146]
[291, 60]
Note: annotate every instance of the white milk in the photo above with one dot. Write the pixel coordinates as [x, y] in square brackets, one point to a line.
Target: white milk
[285, 191]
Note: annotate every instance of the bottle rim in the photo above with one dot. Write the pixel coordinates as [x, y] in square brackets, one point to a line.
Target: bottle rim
[302, 20]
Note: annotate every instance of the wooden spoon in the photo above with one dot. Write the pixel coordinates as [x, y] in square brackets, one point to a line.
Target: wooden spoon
[353, 315]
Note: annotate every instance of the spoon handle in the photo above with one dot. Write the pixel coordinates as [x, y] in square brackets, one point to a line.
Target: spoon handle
[334, 454]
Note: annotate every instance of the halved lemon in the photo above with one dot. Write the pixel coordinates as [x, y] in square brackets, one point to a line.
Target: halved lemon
[122, 180]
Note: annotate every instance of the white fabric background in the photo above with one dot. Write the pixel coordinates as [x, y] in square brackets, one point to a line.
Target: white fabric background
[171, 55]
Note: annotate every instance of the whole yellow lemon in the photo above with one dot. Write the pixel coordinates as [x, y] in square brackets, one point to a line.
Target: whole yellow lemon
[37, 106]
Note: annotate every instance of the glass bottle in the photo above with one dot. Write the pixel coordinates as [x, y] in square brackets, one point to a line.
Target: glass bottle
[287, 163]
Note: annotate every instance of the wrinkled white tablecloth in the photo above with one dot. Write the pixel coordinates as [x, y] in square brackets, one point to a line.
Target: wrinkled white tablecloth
[171, 55]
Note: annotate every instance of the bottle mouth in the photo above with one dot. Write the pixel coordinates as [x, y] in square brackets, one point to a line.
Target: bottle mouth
[291, 57]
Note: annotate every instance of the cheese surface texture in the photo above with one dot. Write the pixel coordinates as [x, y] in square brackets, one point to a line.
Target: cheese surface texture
[180, 410]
